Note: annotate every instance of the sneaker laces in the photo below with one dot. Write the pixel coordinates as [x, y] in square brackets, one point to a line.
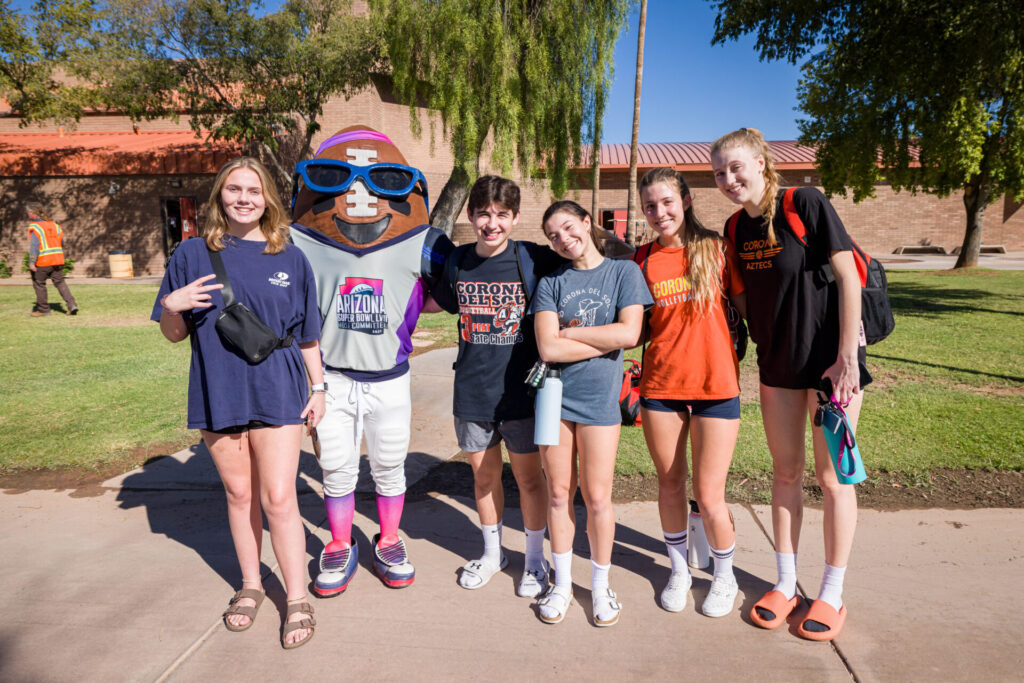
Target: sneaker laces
[678, 580]
[334, 561]
[393, 554]
[721, 587]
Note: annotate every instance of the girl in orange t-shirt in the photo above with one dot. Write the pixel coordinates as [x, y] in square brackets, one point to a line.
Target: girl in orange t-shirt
[690, 383]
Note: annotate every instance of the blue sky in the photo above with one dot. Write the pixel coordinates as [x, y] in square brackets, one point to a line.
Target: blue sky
[691, 91]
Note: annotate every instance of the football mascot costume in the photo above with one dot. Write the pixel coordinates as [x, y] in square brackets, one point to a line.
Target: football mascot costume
[359, 212]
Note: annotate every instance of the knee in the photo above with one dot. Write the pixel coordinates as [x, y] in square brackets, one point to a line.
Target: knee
[279, 501]
[788, 474]
[832, 490]
[531, 483]
[672, 487]
[712, 505]
[239, 493]
[558, 496]
[600, 505]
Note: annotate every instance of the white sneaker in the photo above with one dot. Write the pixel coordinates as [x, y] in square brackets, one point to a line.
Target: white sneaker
[721, 597]
[534, 581]
[673, 597]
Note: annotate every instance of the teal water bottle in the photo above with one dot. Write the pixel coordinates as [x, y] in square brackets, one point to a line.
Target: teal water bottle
[547, 423]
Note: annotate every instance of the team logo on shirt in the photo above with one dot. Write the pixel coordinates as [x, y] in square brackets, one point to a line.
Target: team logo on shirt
[758, 254]
[361, 305]
[280, 278]
[671, 291]
[587, 313]
[491, 312]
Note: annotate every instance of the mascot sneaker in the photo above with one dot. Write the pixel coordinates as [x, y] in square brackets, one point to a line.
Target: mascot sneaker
[337, 566]
[391, 564]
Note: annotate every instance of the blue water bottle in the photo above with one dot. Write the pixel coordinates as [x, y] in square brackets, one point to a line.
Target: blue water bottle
[548, 409]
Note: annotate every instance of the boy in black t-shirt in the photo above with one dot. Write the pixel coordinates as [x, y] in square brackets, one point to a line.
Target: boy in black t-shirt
[484, 284]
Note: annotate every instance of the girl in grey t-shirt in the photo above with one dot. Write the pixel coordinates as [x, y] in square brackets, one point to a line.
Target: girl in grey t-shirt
[586, 312]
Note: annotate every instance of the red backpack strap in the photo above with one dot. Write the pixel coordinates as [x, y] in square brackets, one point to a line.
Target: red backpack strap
[641, 255]
[796, 224]
[730, 228]
[861, 260]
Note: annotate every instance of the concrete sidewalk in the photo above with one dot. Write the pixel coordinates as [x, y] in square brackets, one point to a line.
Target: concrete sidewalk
[127, 581]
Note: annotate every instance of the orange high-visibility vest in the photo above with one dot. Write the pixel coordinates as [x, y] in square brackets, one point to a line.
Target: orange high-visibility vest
[50, 236]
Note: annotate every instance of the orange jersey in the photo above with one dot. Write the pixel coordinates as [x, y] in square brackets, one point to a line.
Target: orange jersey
[691, 356]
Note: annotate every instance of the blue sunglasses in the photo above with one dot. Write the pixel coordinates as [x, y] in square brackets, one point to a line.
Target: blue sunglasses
[330, 176]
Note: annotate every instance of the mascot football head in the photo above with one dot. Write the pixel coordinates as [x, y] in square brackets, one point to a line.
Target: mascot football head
[358, 190]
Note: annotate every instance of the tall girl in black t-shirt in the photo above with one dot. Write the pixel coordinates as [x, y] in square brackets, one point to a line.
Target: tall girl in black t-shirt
[806, 333]
[251, 415]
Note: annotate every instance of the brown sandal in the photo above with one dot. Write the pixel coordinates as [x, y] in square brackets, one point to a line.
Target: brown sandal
[246, 611]
[288, 626]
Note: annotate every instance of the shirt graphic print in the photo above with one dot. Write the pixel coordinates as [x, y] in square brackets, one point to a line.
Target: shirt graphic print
[361, 306]
[491, 312]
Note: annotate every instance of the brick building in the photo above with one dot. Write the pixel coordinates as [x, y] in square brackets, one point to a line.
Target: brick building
[118, 185]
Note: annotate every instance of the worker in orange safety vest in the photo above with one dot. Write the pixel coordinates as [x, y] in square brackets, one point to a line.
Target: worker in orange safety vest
[46, 260]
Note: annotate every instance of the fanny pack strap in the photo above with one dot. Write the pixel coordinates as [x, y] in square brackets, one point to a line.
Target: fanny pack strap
[222, 276]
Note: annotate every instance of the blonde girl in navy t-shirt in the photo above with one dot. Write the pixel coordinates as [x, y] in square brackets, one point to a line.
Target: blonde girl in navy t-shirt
[806, 333]
[251, 416]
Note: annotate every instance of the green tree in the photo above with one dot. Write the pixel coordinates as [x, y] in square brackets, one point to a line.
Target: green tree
[927, 95]
[522, 76]
[259, 80]
[37, 52]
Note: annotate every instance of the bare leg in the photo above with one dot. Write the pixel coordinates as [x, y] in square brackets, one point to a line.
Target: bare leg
[597, 448]
[276, 450]
[666, 440]
[561, 473]
[840, 500]
[713, 442]
[234, 461]
[490, 496]
[533, 495]
[784, 413]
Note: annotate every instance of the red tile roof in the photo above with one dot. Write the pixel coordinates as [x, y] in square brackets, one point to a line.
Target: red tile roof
[176, 152]
[694, 156]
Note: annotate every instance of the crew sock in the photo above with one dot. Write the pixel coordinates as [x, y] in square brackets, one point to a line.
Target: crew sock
[723, 562]
[676, 545]
[786, 563]
[492, 543]
[832, 586]
[535, 548]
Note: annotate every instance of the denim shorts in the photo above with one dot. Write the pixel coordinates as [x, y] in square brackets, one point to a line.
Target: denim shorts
[724, 408]
[477, 436]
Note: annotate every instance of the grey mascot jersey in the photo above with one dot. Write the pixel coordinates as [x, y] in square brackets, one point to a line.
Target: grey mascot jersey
[370, 298]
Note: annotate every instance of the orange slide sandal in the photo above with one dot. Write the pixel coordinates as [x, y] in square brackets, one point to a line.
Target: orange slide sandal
[824, 614]
[775, 602]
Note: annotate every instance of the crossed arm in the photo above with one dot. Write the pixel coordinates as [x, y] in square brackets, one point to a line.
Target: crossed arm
[580, 343]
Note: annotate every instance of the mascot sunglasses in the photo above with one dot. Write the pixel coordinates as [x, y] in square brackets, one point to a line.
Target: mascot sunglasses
[330, 176]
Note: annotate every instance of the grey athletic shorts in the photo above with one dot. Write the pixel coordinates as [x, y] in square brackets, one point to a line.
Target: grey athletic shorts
[476, 436]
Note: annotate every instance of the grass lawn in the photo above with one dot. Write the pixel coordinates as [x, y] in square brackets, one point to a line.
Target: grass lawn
[97, 389]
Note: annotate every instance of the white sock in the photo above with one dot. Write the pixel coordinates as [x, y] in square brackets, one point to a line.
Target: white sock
[832, 586]
[599, 577]
[563, 569]
[535, 547]
[492, 543]
[786, 562]
[676, 545]
[723, 563]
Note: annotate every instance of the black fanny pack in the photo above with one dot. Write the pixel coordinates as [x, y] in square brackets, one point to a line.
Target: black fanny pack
[240, 328]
